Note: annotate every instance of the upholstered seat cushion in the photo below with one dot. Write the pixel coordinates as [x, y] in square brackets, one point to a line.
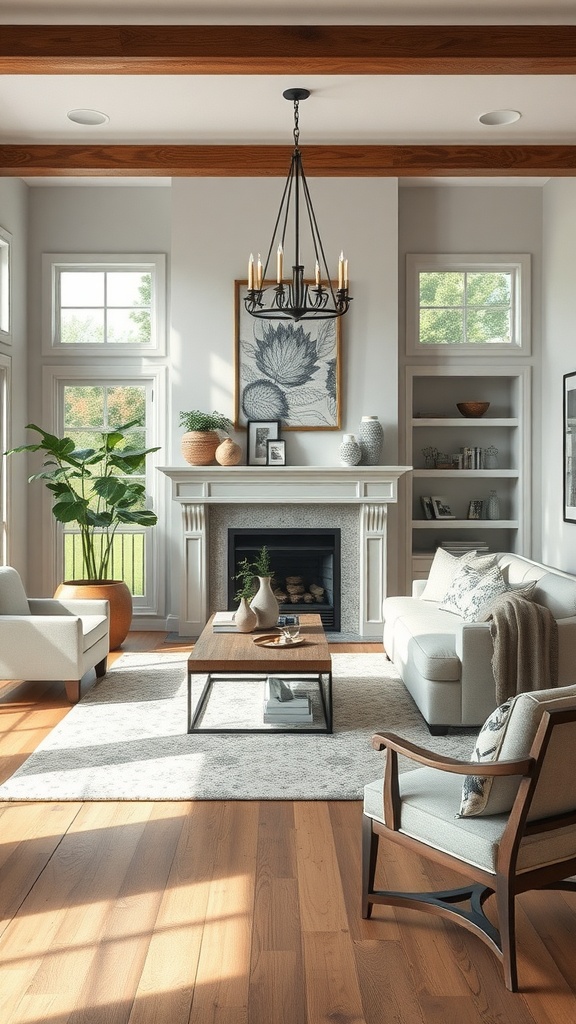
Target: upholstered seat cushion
[425, 635]
[430, 802]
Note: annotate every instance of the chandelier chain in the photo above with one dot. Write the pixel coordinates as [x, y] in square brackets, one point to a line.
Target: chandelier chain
[296, 123]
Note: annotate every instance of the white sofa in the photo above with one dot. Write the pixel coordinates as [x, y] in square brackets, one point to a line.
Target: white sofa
[446, 662]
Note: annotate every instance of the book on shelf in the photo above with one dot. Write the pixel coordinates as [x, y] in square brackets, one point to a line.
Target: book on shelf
[292, 703]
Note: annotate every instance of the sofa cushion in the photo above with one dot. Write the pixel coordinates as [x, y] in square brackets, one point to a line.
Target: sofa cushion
[426, 637]
[470, 591]
[513, 738]
[13, 600]
[445, 566]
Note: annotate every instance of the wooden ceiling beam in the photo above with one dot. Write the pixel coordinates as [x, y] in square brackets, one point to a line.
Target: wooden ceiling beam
[288, 49]
[272, 161]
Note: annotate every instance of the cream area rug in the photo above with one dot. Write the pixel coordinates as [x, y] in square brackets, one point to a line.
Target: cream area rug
[127, 740]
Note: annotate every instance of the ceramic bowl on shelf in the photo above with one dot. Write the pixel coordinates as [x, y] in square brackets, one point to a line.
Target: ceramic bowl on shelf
[472, 408]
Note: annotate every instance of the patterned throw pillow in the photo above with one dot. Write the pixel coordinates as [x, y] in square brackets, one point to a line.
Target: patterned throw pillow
[476, 788]
[472, 590]
[445, 566]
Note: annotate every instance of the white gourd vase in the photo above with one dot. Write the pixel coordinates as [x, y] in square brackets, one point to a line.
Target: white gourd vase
[371, 436]
[350, 451]
[265, 604]
[245, 619]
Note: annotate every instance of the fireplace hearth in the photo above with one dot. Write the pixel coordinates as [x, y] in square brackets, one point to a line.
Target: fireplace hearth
[305, 566]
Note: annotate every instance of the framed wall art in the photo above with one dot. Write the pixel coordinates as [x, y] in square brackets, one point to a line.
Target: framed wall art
[286, 370]
[569, 447]
[260, 432]
[441, 508]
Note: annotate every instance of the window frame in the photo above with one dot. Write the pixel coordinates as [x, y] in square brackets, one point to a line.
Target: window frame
[55, 379]
[5, 286]
[54, 263]
[518, 264]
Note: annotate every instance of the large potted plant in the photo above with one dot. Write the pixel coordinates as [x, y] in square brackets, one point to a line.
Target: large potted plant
[92, 487]
[201, 439]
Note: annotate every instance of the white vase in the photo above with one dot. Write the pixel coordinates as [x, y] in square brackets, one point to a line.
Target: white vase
[350, 451]
[371, 436]
[265, 604]
[493, 506]
[245, 619]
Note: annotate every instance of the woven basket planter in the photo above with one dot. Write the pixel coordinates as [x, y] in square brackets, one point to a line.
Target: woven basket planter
[199, 447]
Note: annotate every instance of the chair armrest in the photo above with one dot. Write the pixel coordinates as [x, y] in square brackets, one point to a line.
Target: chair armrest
[54, 606]
[430, 759]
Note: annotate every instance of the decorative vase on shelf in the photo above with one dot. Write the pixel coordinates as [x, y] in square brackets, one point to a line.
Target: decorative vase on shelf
[265, 604]
[493, 506]
[350, 451]
[370, 436]
[228, 453]
[245, 619]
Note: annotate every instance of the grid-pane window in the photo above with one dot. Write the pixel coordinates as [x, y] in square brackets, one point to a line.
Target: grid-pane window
[88, 410]
[114, 304]
[468, 304]
[465, 308]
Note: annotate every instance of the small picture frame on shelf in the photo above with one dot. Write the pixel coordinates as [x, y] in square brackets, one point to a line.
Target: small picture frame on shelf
[276, 453]
[475, 510]
[259, 433]
[441, 508]
[427, 508]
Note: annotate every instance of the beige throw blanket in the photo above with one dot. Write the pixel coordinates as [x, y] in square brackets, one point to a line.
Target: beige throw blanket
[525, 639]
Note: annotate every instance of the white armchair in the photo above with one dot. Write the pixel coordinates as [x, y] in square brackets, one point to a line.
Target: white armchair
[46, 638]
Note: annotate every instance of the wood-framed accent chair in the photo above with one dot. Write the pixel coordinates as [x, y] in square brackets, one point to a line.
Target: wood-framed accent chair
[527, 840]
[46, 638]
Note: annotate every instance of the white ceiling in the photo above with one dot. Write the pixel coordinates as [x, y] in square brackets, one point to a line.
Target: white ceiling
[244, 109]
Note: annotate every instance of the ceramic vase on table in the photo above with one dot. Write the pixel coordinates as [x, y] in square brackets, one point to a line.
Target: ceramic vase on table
[245, 619]
[350, 451]
[370, 437]
[265, 604]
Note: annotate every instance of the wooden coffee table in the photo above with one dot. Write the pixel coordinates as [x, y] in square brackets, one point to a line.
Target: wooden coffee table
[236, 657]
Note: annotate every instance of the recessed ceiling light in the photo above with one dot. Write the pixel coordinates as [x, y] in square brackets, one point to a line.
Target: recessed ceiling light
[90, 117]
[500, 117]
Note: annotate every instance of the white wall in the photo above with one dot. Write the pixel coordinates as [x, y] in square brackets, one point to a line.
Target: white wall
[559, 334]
[209, 226]
[14, 218]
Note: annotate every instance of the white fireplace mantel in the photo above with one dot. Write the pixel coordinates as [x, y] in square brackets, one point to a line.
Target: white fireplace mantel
[196, 487]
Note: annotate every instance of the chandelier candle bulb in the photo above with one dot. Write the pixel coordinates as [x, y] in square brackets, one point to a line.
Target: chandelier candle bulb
[317, 272]
[251, 272]
[259, 272]
[279, 264]
[341, 271]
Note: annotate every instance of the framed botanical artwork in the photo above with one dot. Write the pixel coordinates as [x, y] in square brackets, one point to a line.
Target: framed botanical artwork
[276, 453]
[441, 508]
[285, 370]
[260, 432]
[569, 434]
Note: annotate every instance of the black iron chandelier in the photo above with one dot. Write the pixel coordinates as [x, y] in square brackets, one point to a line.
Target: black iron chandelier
[296, 299]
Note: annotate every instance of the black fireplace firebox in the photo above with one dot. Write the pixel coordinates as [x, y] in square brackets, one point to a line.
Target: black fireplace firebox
[305, 566]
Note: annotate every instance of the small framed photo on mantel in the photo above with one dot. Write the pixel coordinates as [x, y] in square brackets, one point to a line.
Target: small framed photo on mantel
[276, 453]
[260, 432]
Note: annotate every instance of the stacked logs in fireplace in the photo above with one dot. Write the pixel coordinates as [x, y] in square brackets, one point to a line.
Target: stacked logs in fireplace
[305, 567]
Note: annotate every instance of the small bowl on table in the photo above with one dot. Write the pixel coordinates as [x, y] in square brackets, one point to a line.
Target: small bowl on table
[472, 409]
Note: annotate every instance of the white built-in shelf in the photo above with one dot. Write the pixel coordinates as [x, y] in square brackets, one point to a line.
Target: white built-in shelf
[465, 524]
[464, 421]
[505, 474]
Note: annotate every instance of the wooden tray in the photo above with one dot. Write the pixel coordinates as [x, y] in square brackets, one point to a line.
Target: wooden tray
[272, 640]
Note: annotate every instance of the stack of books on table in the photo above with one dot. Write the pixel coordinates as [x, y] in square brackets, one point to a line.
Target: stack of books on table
[223, 622]
[287, 712]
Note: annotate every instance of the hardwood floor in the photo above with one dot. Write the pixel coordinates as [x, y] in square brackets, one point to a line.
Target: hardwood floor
[236, 913]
